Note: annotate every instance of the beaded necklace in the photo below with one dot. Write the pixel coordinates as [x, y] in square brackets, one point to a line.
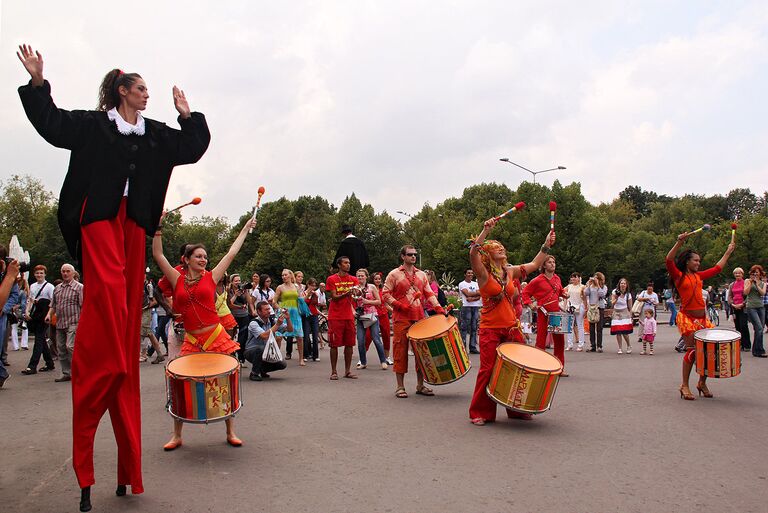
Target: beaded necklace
[190, 287]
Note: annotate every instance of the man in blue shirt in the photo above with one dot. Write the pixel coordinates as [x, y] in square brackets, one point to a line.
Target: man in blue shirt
[9, 296]
[259, 331]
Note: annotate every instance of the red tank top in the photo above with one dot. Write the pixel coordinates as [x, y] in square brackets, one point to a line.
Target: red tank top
[195, 302]
[498, 310]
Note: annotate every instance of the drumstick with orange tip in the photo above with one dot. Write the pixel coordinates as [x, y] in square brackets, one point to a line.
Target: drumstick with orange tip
[552, 209]
[195, 201]
[261, 192]
[518, 206]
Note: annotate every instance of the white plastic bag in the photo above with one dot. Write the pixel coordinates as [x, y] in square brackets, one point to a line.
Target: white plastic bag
[272, 353]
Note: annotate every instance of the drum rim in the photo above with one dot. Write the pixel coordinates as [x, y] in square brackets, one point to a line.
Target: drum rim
[538, 371]
[205, 421]
[453, 323]
[170, 373]
[519, 410]
[717, 328]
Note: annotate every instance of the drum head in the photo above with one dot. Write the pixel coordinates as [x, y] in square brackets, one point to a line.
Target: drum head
[431, 327]
[529, 357]
[203, 364]
[717, 335]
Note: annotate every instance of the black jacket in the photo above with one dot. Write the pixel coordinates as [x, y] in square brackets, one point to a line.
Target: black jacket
[102, 159]
[354, 249]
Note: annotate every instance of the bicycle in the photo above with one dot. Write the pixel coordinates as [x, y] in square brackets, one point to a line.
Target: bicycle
[322, 322]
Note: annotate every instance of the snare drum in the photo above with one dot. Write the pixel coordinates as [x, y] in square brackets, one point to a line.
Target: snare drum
[560, 322]
[524, 378]
[718, 352]
[439, 349]
[203, 387]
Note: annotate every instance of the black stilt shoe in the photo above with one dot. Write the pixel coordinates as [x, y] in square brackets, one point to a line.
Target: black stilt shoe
[121, 490]
[85, 499]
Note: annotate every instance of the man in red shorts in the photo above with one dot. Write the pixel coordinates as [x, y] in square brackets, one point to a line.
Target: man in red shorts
[546, 290]
[341, 288]
[407, 291]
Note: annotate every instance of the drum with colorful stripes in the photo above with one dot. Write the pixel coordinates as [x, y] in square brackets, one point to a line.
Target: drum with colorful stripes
[439, 349]
[718, 352]
[203, 387]
[524, 378]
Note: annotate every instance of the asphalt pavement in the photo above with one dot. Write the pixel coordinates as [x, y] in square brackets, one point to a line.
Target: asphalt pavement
[617, 439]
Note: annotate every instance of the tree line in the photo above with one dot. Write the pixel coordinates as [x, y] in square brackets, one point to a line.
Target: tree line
[627, 237]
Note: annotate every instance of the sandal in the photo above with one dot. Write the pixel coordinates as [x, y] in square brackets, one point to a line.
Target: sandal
[47, 368]
[400, 393]
[349, 375]
[478, 421]
[334, 377]
[425, 391]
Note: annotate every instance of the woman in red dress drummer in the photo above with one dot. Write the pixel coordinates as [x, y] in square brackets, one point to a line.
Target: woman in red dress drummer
[193, 297]
[498, 320]
[687, 279]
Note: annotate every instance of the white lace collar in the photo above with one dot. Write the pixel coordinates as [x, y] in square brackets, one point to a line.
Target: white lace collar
[123, 126]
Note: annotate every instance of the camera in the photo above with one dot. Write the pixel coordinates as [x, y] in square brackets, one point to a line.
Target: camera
[245, 286]
[23, 266]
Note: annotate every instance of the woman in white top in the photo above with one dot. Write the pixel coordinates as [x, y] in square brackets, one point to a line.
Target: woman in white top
[576, 305]
[621, 321]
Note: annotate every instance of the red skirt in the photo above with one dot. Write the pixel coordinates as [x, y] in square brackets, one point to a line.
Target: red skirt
[214, 340]
[228, 321]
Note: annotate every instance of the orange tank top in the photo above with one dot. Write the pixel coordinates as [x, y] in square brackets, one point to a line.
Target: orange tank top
[498, 310]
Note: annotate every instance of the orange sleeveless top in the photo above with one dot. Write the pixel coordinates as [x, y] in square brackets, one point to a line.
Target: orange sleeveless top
[498, 310]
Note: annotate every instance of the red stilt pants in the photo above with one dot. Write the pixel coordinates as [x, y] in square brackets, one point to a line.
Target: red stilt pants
[541, 338]
[483, 406]
[105, 363]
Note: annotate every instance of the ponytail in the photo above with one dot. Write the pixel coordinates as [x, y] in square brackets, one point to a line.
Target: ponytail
[109, 95]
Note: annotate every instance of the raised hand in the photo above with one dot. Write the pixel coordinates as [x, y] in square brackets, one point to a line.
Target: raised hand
[683, 236]
[33, 63]
[180, 102]
[490, 223]
[550, 240]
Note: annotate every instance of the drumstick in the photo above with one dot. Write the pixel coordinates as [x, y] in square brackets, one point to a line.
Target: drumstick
[258, 203]
[552, 209]
[704, 228]
[518, 206]
[195, 201]
[733, 232]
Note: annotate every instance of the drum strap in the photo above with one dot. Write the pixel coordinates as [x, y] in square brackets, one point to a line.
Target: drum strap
[205, 345]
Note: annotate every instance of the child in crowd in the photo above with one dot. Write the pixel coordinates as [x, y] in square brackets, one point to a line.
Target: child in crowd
[649, 331]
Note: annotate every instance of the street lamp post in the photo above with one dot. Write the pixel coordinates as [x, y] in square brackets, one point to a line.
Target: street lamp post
[534, 173]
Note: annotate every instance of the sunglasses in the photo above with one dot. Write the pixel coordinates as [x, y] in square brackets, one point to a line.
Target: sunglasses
[411, 254]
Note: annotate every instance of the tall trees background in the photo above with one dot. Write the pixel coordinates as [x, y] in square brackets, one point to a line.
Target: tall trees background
[629, 236]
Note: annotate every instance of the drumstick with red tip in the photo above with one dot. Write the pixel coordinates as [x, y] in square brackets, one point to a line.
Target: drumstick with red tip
[195, 201]
[261, 192]
[704, 228]
[518, 206]
[552, 210]
[733, 232]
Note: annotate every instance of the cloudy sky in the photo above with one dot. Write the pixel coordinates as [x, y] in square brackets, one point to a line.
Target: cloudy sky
[407, 102]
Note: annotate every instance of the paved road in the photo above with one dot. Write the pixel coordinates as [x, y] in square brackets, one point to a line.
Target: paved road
[617, 439]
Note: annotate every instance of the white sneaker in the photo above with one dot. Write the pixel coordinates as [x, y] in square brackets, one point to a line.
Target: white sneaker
[390, 361]
[619, 351]
[568, 348]
[579, 349]
[629, 350]
[410, 353]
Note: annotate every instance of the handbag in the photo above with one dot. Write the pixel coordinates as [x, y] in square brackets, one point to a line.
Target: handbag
[637, 307]
[272, 353]
[593, 314]
[368, 319]
[304, 310]
[38, 314]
